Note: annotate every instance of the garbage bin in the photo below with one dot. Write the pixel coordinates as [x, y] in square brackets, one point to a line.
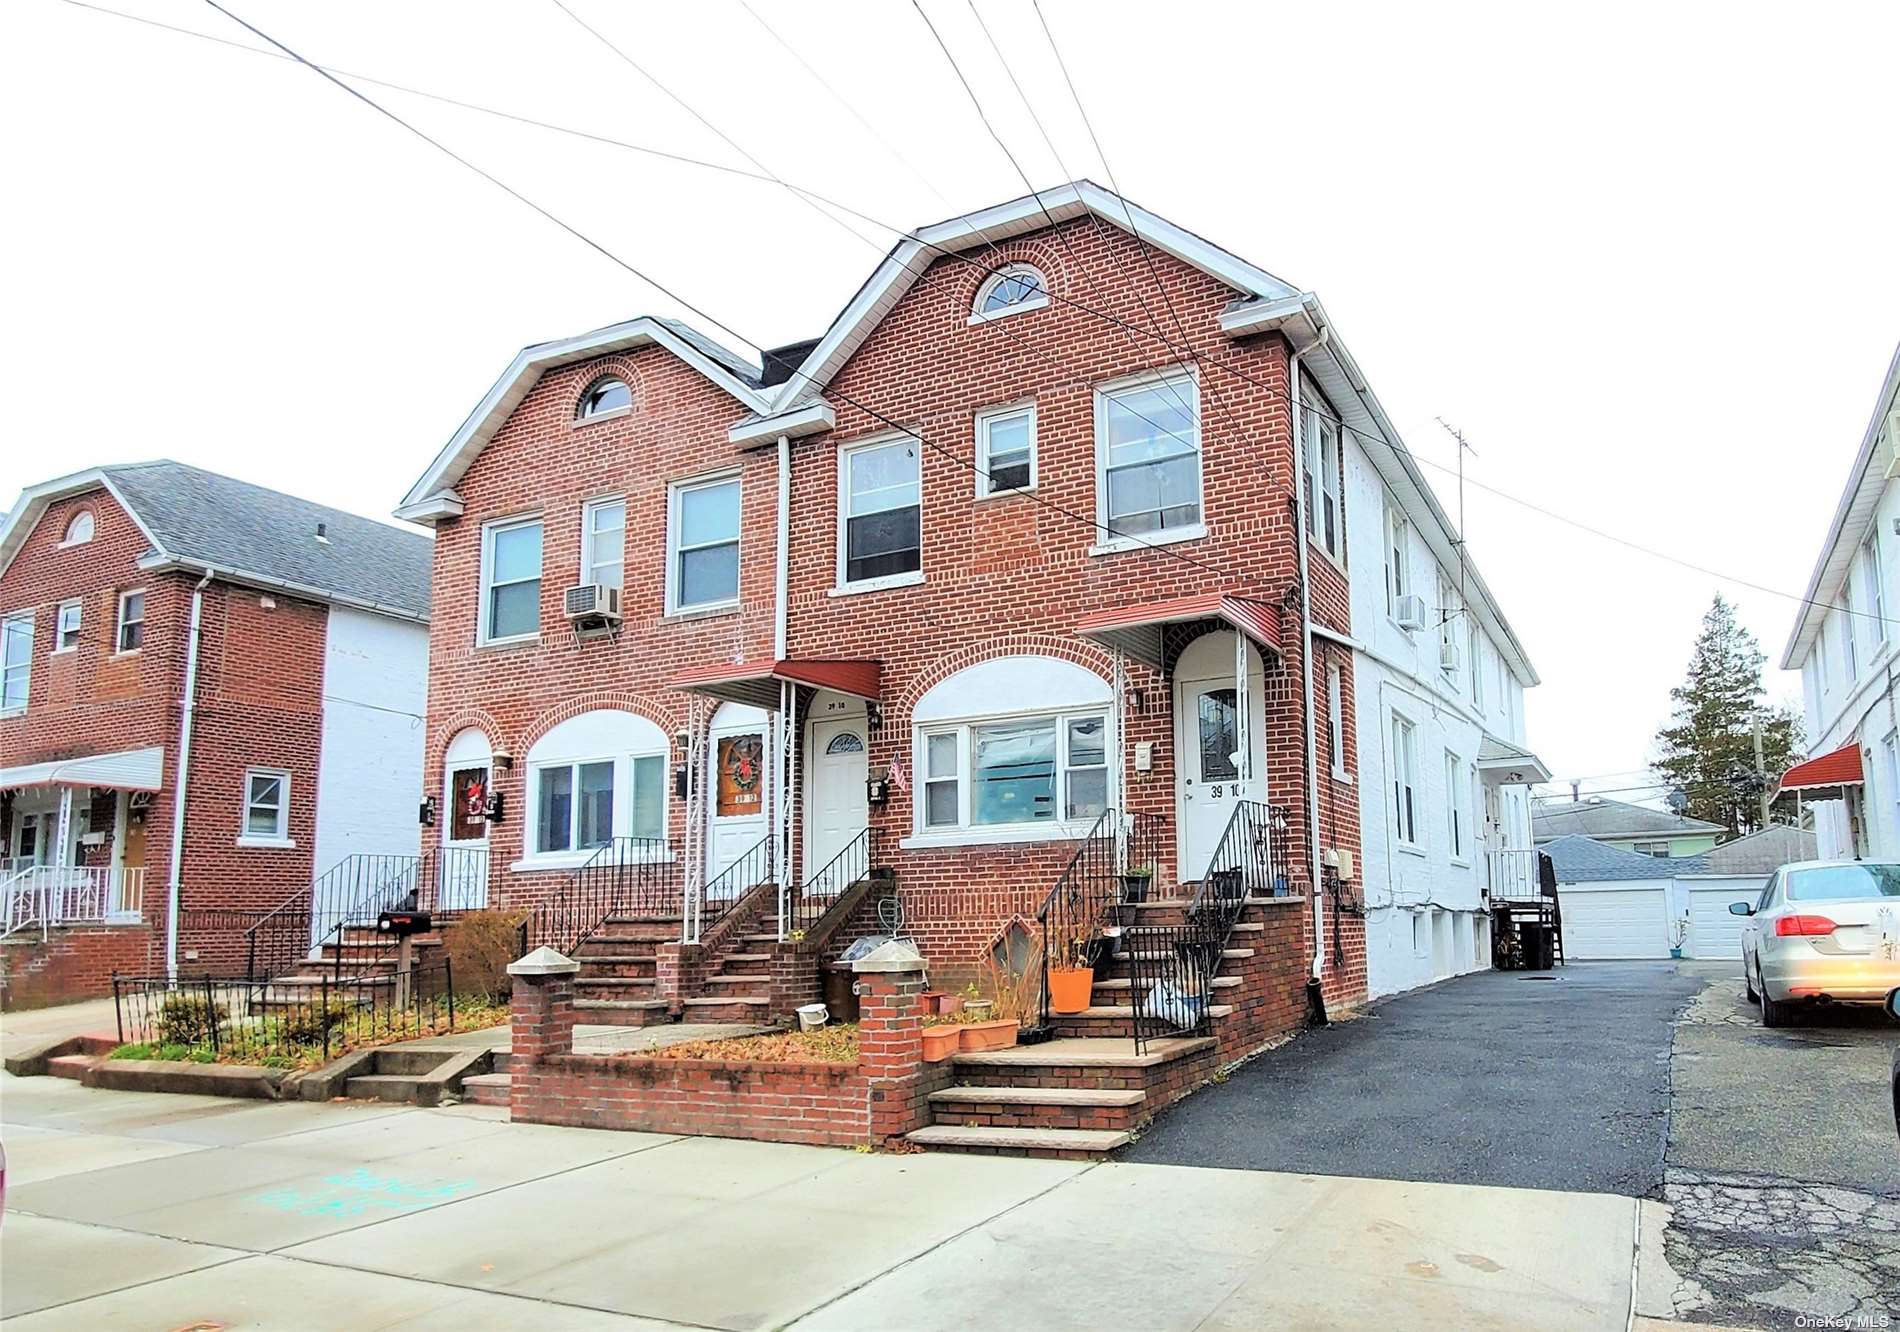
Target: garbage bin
[1537, 946]
[840, 997]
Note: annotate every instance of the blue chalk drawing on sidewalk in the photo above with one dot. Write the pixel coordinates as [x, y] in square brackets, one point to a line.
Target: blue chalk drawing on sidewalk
[360, 1192]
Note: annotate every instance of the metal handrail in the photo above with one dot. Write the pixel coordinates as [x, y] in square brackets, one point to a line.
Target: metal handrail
[800, 909]
[625, 875]
[1075, 915]
[756, 865]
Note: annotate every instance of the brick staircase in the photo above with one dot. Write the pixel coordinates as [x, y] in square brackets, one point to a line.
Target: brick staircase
[739, 986]
[617, 985]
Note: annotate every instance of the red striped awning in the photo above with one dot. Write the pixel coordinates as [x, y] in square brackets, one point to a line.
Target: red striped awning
[757, 682]
[1832, 770]
[1136, 630]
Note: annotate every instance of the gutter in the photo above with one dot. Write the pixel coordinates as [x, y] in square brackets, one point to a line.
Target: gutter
[1306, 664]
[303, 591]
[188, 708]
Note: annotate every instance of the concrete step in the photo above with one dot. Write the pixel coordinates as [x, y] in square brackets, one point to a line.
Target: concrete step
[486, 1088]
[724, 978]
[727, 1008]
[1100, 1108]
[72, 1066]
[381, 1087]
[588, 983]
[1121, 983]
[620, 1012]
[1021, 1141]
[747, 957]
[1072, 1096]
[1085, 1052]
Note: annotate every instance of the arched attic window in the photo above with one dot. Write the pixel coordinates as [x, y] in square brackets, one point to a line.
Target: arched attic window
[604, 395]
[79, 530]
[1011, 290]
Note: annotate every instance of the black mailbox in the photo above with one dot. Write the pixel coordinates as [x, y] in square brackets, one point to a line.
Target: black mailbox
[401, 924]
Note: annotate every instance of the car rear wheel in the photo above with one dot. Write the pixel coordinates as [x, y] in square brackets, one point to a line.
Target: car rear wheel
[1774, 1013]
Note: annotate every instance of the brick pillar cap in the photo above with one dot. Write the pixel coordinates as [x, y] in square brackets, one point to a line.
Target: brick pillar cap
[893, 956]
[544, 961]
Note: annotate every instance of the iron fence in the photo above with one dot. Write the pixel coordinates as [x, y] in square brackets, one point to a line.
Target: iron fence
[443, 881]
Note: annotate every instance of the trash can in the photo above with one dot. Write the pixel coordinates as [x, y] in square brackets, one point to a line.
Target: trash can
[840, 997]
[1537, 946]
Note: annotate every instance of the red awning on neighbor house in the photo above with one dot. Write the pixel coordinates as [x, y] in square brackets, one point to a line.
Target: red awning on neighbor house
[757, 682]
[1136, 630]
[1830, 771]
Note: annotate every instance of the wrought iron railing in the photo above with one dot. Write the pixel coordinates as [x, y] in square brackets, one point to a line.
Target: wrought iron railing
[443, 881]
[1172, 967]
[628, 876]
[1114, 866]
[48, 896]
[802, 906]
[751, 869]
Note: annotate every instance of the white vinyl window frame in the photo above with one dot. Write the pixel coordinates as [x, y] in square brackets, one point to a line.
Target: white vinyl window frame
[484, 611]
[16, 662]
[676, 550]
[593, 565]
[1186, 386]
[1038, 301]
[966, 831]
[624, 794]
[842, 585]
[1850, 640]
[1398, 544]
[1457, 809]
[1320, 459]
[1447, 624]
[266, 791]
[1876, 590]
[1475, 660]
[128, 635]
[1404, 743]
[986, 422]
[1891, 746]
[79, 530]
[1336, 722]
[68, 626]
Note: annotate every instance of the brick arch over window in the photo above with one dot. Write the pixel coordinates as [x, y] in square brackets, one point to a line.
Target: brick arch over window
[1176, 638]
[1040, 252]
[1085, 655]
[575, 380]
[669, 722]
[475, 718]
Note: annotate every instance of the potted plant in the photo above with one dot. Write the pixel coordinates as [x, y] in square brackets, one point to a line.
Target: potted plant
[986, 1034]
[1135, 881]
[1072, 970]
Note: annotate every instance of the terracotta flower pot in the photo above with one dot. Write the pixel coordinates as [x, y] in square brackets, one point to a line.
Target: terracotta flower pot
[1069, 988]
[941, 1042]
[999, 1034]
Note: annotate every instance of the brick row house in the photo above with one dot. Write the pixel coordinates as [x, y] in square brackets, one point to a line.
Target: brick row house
[995, 590]
[212, 694]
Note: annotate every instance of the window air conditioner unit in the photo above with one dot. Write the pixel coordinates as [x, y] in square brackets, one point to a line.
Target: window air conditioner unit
[1410, 612]
[591, 601]
[1448, 654]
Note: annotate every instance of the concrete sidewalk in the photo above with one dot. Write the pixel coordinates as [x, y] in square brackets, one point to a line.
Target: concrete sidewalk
[138, 1212]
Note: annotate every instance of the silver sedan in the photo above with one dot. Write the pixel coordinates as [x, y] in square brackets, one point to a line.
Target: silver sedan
[1822, 931]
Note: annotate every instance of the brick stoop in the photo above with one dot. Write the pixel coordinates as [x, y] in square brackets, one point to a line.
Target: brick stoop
[618, 983]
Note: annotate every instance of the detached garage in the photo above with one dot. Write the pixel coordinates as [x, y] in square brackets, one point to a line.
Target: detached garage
[1713, 932]
[1615, 920]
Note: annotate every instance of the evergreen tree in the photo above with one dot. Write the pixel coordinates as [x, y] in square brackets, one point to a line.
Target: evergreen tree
[1707, 751]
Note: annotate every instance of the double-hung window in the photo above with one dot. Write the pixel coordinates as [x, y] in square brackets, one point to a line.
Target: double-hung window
[1474, 654]
[1005, 450]
[1336, 720]
[1657, 850]
[131, 632]
[703, 563]
[1149, 452]
[1015, 772]
[1398, 538]
[881, 523]
[576, 802]
[511, 580]
[1319, 437]
[1850, 655]
[1457, 808]
[266, 805]
[1447, 625]
[1876, 591]
[1405, 779]
[603, 542]
[66, 628]
[16, 660]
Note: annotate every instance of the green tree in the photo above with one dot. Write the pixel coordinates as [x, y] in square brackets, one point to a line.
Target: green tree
[1707, 751]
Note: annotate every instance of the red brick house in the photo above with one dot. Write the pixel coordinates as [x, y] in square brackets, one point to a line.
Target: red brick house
[995, 589]
[212, 693]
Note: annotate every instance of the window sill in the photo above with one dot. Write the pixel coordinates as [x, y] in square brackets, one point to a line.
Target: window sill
[1343, 778]
[1021, 307]
[127, 652]
[572, 860]
[1001, 835]
[268, 843]
[1011, 492]
[518, 641]
[13, 712]
[1410, 848]
[64, 652]
[1166, 537]
[686, 614]
[614, 415]
[878, 584]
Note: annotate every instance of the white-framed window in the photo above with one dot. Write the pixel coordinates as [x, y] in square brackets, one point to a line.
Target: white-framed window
[1005, 450]
[1474, 656]
[1820, 657]
[1398, 581]
[130, 635]
[1457, 807]
[1148, 456]
[1319, 434]
[1891, 747]
[1405, 779]
[702, 564]
[266, 806]
[1659, 850]
[1876, 591]
[511, 581]
[1336, 720]
[604, 542]
[16, 660]
[591, 779]
[1015, 772]
[880, 513]
[605, 396]
[1850, 654]
[1447, 625]
[66, 627]
[79, 530]
[1012, 289]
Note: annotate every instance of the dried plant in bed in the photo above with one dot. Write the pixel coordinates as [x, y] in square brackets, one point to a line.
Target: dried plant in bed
[826, 1045]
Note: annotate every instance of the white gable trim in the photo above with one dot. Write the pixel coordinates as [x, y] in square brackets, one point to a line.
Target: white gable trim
[425, 498]
[35, 500]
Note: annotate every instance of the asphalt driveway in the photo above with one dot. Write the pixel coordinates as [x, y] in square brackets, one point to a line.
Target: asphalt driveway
[1550, 1080]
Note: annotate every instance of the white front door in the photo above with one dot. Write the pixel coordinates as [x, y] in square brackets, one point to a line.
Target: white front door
[839, 811]
[737, 762]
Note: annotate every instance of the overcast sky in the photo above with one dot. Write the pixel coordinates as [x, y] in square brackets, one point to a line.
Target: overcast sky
[1643, 256]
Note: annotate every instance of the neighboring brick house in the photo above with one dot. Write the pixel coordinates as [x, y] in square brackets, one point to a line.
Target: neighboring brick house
[931, 594]
[299, 745]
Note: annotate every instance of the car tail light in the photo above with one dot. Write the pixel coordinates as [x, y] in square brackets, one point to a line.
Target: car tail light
[1804, 925]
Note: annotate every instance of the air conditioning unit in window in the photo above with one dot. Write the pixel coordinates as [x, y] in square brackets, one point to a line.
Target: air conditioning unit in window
[1448, 654]
[592, 602]
[1410, 612]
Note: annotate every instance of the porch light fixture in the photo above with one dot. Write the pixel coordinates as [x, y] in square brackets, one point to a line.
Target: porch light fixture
[503, 758]
[425, 814]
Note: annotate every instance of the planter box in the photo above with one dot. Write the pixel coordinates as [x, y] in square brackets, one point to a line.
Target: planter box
[999, 1034]
[942, 1003]
[941, 1042]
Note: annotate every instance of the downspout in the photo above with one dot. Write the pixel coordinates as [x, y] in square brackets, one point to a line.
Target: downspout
[781, 637]
[1306, 671]
[188, 708]
[782, 592]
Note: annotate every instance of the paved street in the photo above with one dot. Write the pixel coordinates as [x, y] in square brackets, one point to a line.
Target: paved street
[128, 1211]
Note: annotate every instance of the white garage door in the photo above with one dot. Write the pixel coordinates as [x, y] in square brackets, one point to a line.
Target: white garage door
[1713, 932]
[1624, 921]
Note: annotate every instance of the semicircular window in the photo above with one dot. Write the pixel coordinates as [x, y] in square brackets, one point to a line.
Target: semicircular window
[604, 395]
[79, 530]
[1012, 290]
[845, 742]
